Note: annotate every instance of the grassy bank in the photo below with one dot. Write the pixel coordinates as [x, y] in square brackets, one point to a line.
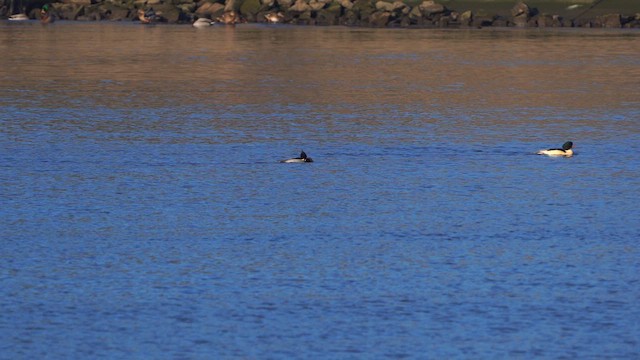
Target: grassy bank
[556, 7]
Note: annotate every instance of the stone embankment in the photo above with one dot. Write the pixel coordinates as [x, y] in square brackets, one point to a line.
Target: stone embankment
[369, 13]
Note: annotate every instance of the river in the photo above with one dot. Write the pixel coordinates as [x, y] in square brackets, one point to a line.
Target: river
[145, 214]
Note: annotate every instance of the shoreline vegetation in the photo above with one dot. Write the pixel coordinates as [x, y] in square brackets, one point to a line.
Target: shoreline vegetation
[362, 13]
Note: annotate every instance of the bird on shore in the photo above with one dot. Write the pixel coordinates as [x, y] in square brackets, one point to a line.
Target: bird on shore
[303, 158]
[565, 151]
[147, 17]
[229, 18]
[274, 18]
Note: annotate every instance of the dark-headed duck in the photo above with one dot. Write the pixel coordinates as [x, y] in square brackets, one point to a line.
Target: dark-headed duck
[565, 151]
[303, 158]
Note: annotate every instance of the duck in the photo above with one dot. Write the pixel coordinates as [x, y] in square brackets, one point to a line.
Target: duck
[147, 17]
[303, 158]
[46, 15]
[18, 17]
[203, 22]
[229, 18]
[274, 17]
[565, 151]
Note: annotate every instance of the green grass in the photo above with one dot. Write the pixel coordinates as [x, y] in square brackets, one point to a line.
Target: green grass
[555, 7]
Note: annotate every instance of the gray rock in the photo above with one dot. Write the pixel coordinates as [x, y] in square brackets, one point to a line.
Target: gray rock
[430, 7]
[384, 6]
[300, 7]
[466, 18]
[379, 18]
[612, 21]
[521, 9]
[212, 10]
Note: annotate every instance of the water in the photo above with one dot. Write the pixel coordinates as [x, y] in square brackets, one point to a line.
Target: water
[144, 213]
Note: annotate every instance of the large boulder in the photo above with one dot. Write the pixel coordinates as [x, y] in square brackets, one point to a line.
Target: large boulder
[316, 5]
[300, 7]
[284, 4]
[384, 6]
[521, 9]
[249, 8]
[363, 9]
[168, 13]
[379, 18]
[611, 21]
[210, 10]
[114, 12]
[466, 18]
[347, 4]
[430, 7]
[79, 2]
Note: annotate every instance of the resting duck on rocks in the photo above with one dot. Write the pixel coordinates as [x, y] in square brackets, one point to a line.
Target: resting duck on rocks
[303, 158]
[274, 17]
[565, 151]
[229, 18]
[147, 17]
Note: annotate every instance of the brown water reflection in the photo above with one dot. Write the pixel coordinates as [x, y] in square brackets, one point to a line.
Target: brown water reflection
[163, 66]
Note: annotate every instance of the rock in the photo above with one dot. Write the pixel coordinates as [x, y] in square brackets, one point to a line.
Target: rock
[611, 21]
[211, 10]
[231, 5]
[327, 16]
[415, 13]
[69, 11]
[521, 9]
[284, 4]
[79, 2]
[500, 21]
[521, 20]
[482, 21]
[187, 8]
[363, 7]
[168, 13]
[317, 5]
[466, 18]
[250, 7]
[544, 20]
[430, 7]
[401, 8]
[115, 13]
[347, 4]
[379, 19]
[300, 7]
[384, 6]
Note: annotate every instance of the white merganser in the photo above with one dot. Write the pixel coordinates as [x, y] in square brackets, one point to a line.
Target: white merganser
[303, 158]
[565, 151]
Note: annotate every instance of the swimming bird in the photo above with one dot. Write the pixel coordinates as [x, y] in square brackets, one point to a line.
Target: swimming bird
[565, 151]
[18, 17]
[203, 22]
[301, 159]
[46, 15]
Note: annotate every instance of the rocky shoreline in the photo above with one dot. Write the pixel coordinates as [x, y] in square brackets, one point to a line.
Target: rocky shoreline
[364, 13]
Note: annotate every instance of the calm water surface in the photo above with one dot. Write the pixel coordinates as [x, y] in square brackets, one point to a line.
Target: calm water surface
[144, 213]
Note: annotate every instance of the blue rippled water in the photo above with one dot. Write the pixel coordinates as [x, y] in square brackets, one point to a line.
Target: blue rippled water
[145, 213]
